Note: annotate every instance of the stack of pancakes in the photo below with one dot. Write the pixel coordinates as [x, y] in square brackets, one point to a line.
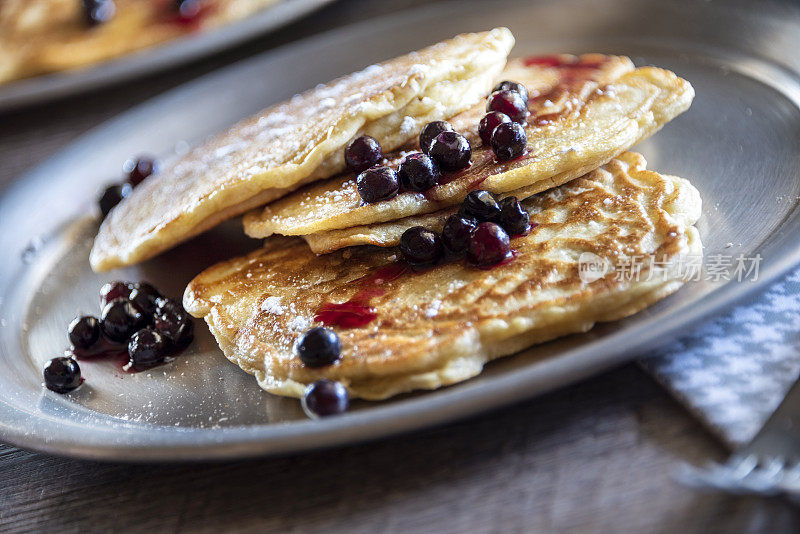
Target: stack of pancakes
[585, 192]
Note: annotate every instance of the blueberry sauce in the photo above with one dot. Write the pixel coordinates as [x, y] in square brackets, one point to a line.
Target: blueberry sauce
[565, 62]
[357, 311]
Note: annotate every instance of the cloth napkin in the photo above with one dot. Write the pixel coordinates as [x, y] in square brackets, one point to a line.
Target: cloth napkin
[735, 370]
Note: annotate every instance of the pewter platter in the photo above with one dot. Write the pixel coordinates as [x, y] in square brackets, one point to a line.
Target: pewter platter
[738, 144]
[182, 50]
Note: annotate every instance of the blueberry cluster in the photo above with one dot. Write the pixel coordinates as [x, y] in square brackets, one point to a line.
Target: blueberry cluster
[320, 347]
[136, 170]
[501, 127]
[138, 315]
[442, 150]
[480, 231]
[135, 318]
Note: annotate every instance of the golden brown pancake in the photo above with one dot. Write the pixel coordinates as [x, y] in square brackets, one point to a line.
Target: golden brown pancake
[300, 140]
[574, 128]
[42, 36]
[422, 330]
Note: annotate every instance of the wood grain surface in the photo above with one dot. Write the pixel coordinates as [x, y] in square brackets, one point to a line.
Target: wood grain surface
[595, 457]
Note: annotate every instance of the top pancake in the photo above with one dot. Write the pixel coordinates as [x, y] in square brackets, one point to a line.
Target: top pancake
[591, 109]
[439, 326]
[300, 140]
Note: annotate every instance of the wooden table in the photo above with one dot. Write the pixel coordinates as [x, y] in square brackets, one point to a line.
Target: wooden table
[595, 457]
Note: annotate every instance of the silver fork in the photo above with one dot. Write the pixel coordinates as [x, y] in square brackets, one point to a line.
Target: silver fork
[768, 466]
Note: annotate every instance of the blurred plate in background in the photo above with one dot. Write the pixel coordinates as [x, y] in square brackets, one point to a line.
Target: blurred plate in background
[182, 50]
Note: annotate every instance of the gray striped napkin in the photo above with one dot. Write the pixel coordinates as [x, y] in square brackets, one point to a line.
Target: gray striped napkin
[733, 371]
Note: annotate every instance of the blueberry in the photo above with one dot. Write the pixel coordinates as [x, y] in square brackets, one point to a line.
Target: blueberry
[420, 247]
[513, 217]
[509, 141]
[488, 123]
[325, 397]
[144, 296]
[510, 103]
[362, 153]
[98, 11]
[318, 347]
[488, 245]
[174, 323]
[418, 172]
[115, 290]
[188, 9]
[481, 204]
[62, 374]
[112, 196]
[139, 169]
[146, 348]
[456, 233]
[451, 151]
[121, 319]
[377, 183]
[429, 133]
[84, 332]
[513, 86]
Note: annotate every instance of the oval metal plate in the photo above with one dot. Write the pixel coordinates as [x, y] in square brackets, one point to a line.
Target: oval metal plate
[738, 144]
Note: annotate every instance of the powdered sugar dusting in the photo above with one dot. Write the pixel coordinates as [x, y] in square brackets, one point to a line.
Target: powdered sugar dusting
[299, 323]
[408, 125]
[433, 308]
[272, 305]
